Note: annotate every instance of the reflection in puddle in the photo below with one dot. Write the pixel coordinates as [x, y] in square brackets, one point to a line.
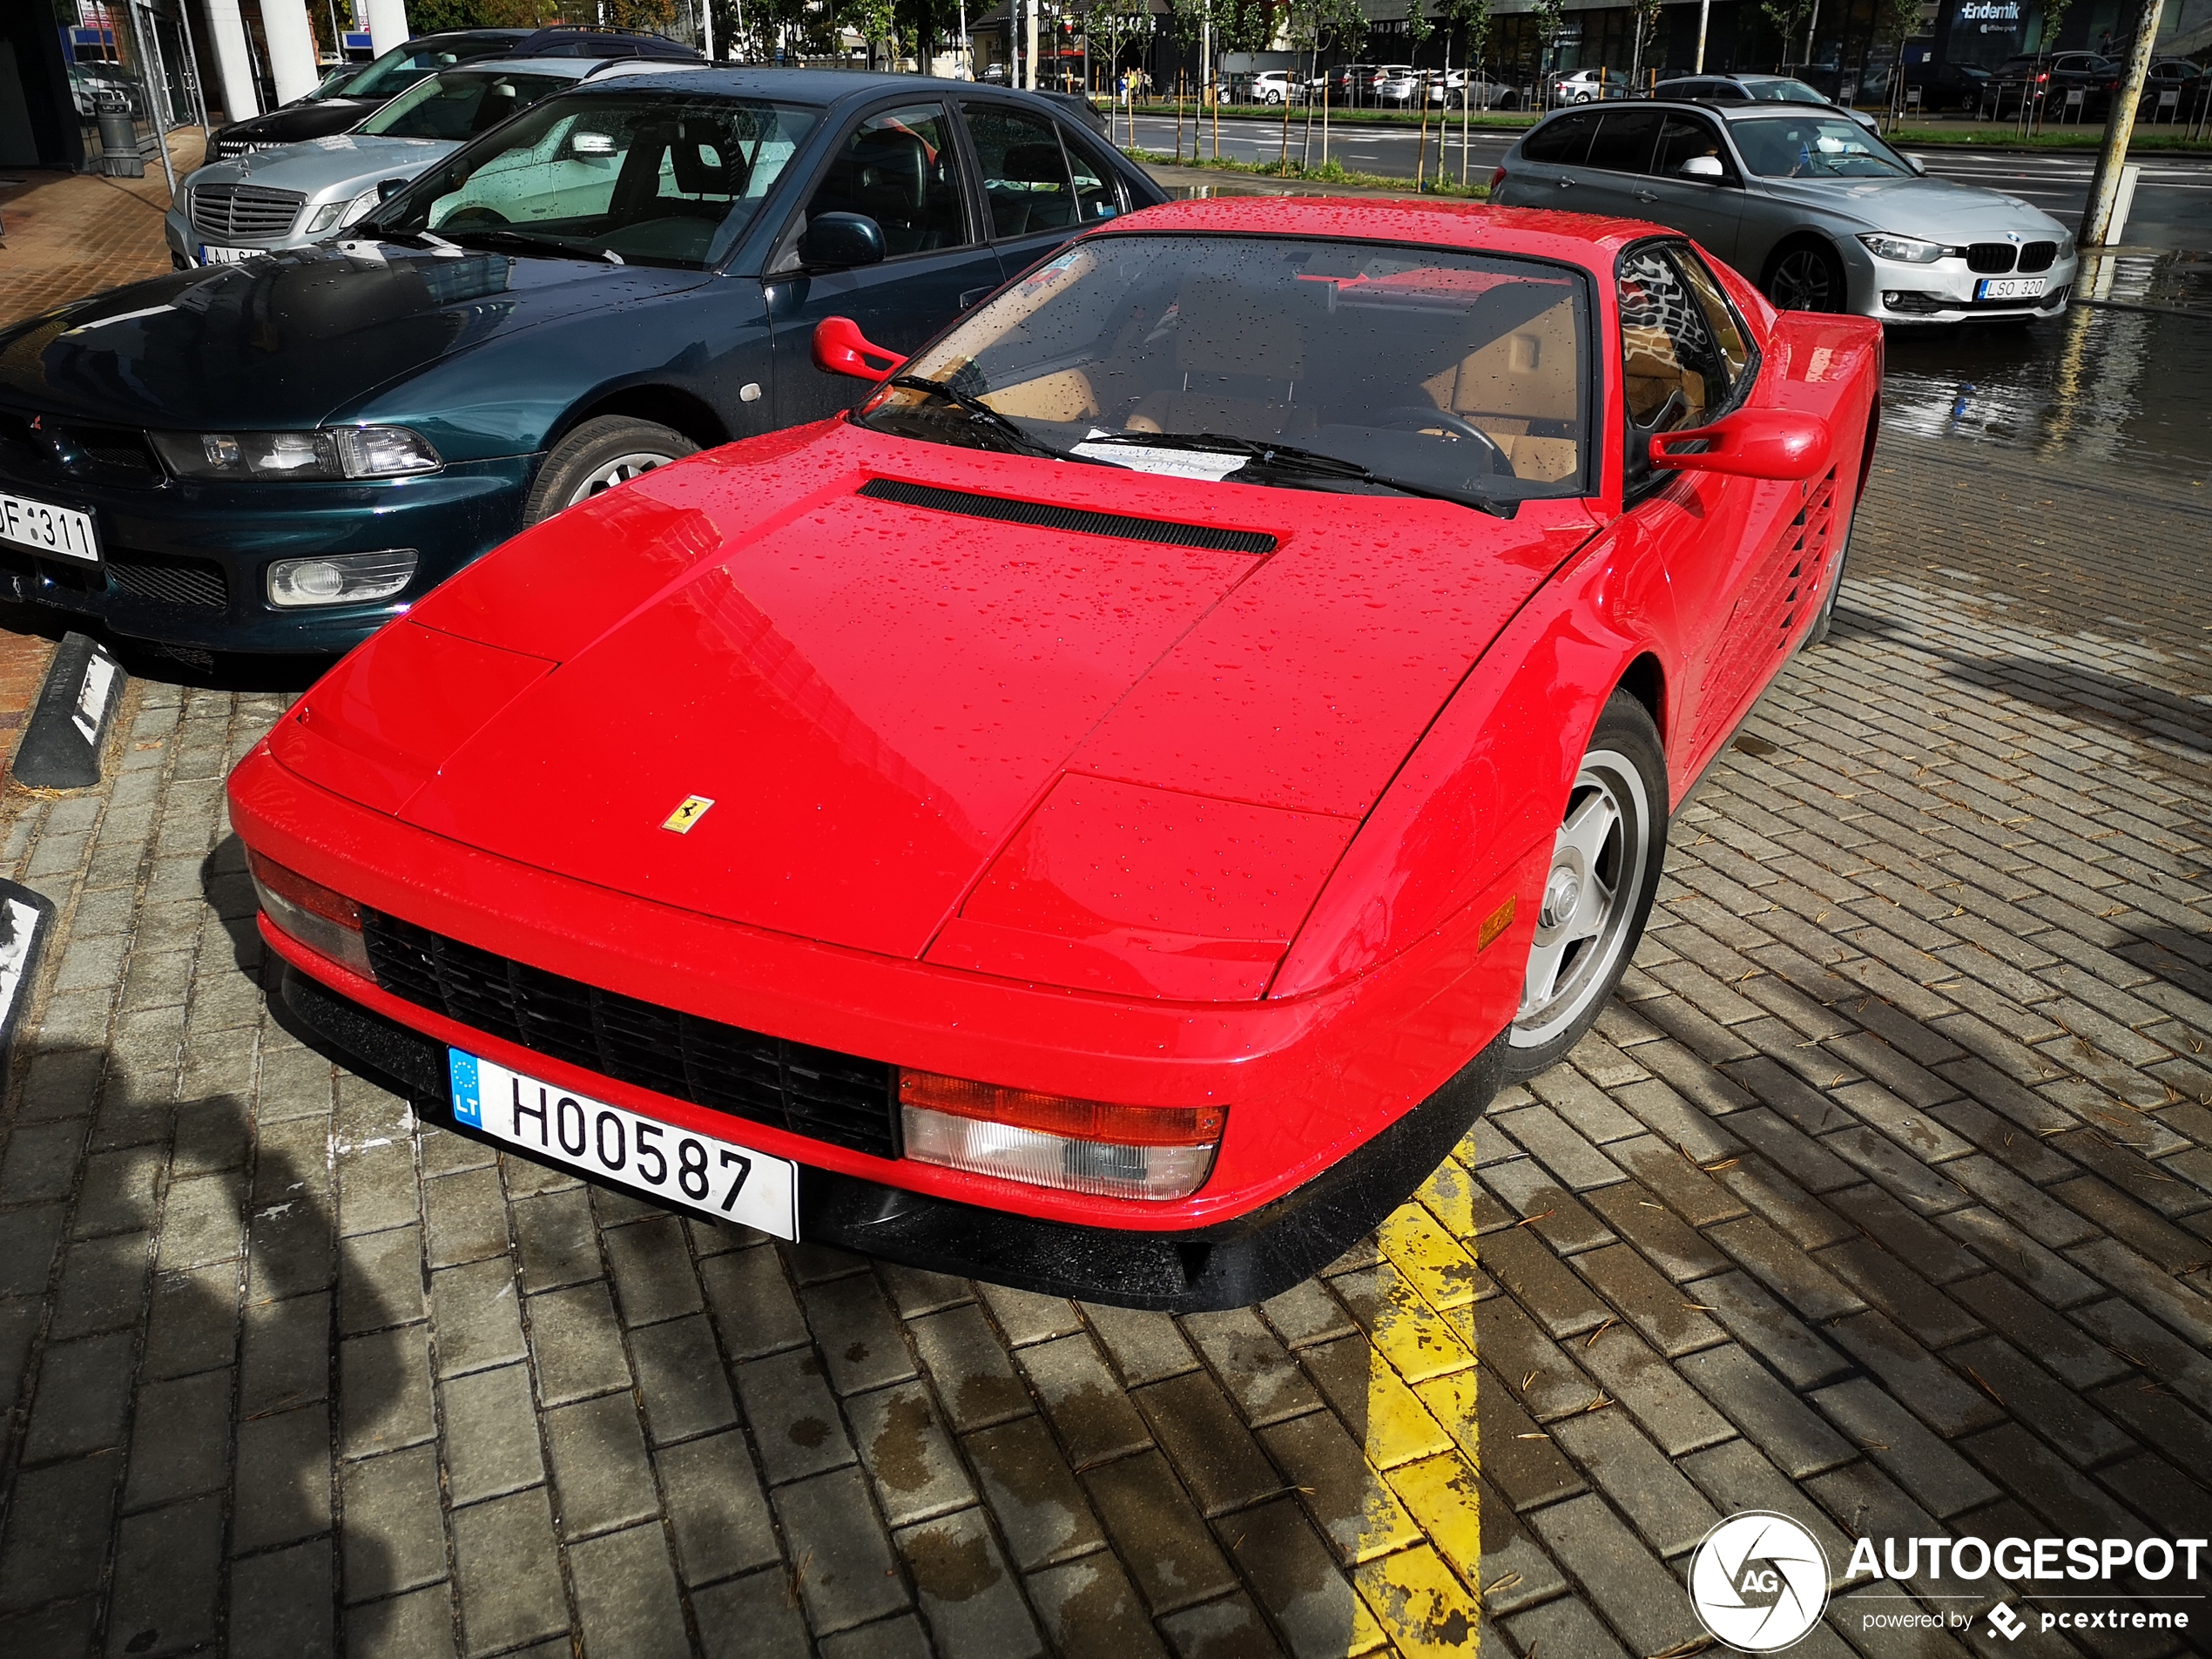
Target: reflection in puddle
[2100, 385]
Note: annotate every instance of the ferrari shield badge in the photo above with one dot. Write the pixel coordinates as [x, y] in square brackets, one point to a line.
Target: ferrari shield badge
[693, 810]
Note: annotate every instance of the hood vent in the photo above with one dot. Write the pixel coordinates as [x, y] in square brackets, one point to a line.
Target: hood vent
[1043, 516]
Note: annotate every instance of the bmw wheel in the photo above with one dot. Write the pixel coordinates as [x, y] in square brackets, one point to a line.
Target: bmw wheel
[1805, 276]
[1598, 890]
[600, 453]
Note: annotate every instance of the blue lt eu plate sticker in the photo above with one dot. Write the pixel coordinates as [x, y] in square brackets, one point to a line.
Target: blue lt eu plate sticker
[681, 1168]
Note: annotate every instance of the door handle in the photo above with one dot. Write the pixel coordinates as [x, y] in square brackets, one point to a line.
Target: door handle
[976, 296]
[1567, 184]
[1646, 196]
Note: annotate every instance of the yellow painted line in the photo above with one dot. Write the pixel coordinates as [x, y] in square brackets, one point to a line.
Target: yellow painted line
[1451, 1402]
[1405, 1329]
[1441, 1495]
[1425, 1609]
[1439, 1266]
[1449, 1194]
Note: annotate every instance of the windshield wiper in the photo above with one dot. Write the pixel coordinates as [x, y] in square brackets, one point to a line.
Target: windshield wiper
[523, 242]
[1305, 463]
[981, 413]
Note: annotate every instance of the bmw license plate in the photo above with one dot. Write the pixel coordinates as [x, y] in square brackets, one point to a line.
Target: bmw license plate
[211, 254]
[678, 1167]
[58, 532]
[2009, 288]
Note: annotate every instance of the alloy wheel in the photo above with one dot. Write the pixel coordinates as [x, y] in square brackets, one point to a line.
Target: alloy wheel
[620, 470]
[1589, 897]
[1801, 282]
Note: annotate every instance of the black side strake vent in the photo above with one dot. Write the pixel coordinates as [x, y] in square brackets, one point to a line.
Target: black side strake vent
[1066, 518]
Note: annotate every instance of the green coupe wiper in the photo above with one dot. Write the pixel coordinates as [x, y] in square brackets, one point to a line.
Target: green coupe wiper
[1307, 463]
[981, 413]
[523, 242]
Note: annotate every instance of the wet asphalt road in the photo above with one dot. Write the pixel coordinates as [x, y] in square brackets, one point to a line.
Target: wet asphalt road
[2173, 200]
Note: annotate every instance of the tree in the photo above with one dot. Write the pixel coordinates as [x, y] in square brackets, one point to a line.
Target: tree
[1790, 17]
[875, 22]
[1647, 21]
[1418, 28]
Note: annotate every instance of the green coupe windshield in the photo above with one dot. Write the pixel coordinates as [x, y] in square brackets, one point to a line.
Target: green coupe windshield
[646, 177]
[1815, 146]
[459, 103]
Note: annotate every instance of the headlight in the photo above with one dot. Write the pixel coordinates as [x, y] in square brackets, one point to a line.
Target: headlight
[342, 452]
[341, 578]
[1904, 248]
[2066, 248]
[325, 217]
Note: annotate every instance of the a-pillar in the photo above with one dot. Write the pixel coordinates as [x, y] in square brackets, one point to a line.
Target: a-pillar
[234, 63]
[387, 24]
[291, 40]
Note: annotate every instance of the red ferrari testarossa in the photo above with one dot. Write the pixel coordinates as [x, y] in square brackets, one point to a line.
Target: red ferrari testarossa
[1105, 816]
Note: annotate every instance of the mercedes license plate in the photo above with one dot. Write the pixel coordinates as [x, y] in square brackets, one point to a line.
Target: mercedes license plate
[678, 1167]
[58, 532]
[2009, 288]
[211, 254]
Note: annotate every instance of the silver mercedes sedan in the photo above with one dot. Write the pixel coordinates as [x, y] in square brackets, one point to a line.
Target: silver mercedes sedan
[1819, 213]
[296, 194]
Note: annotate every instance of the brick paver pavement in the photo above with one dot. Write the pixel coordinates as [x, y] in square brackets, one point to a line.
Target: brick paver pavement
[1882, 1196]
[72, 234]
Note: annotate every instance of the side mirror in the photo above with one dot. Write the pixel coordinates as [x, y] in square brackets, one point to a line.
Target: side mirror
[839, 242]
[1750, 443]
[1702, 168]
[841, 348]
[387, 188]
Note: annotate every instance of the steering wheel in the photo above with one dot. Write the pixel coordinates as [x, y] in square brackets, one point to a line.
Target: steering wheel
[473, 218]
[1414, 417]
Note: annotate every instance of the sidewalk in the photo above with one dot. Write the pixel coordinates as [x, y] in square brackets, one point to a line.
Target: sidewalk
[72, 234]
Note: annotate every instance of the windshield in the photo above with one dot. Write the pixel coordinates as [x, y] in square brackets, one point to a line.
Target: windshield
[1816, 146]
[394, 72]
[650, 178]
[459, 103]
[1457, 373]
[1783, 92]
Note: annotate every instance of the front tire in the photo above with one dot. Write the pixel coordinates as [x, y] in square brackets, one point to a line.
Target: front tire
[1597, 893]
[1806, 276]
[599, 454]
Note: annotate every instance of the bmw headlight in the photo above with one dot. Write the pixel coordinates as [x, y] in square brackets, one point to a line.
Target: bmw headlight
[341, 214]
[338, 452]
[1905, 249]
[2066, 248]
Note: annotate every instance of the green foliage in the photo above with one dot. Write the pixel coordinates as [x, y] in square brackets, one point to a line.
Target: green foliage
[874, 21]
[1789, 19]
[1551, 17]
[1469, 21]
[1418, 28]
[1244, 26]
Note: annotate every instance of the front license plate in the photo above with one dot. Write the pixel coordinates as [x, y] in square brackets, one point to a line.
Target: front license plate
[679, 1167]
[2009, 288]
[58, 532]
[211, 254]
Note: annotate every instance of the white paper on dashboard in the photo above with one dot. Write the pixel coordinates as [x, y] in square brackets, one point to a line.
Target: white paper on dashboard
[1208, 464]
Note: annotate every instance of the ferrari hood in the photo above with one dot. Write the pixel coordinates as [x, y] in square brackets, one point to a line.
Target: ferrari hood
[293, 338]
[821, 700]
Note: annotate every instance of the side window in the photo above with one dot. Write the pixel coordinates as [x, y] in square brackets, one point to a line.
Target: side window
[1682, 136]
[1624, 140]
[1674, 375]
[898, 168]
[1026, 181]
[1720, 317]
[1096, 196]
[1564, 140]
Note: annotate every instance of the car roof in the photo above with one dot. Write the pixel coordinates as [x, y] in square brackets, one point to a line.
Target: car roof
[1581, 240]
[815, 86]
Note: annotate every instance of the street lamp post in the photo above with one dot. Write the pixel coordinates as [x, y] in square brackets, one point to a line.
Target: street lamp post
[2120, 127]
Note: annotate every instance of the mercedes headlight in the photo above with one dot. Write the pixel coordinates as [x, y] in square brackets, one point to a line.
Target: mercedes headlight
[338, 452]
[1905, 249]
[340, 214]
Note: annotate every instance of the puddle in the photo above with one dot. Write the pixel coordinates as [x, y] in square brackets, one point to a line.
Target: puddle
[2102, 386]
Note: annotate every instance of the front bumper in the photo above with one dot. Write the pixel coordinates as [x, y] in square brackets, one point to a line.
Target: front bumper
[185, 565]
[1309, 1081]
[185, 242]
[1194, 1271]
[1945, 291]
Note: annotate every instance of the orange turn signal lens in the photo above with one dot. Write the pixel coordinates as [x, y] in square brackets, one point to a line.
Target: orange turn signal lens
[326, 922]
[1155, 1152]
[1083, 1119]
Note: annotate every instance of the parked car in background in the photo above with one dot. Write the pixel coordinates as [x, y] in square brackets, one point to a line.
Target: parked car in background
[1132, 876]
[1588, 85]
[1351, 85]
[299, 194]
[1947, 86]
[103, 89]
[1275, 86]
[2187, 83]
[338, 104]
[2049, 80]
[1752, 89]
[1398, 84]
[1819, 213]
[283, 454]
[1456, 90]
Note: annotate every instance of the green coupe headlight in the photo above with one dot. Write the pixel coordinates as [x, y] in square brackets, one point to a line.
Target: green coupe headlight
[338, 452]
